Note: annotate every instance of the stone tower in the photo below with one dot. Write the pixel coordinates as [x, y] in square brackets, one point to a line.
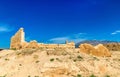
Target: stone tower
[18, 39]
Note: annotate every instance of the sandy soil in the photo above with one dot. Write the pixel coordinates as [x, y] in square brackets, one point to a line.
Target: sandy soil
[38, 63]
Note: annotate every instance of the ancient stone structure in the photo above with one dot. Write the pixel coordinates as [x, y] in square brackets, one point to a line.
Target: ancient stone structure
[98, 50]
[18, 42]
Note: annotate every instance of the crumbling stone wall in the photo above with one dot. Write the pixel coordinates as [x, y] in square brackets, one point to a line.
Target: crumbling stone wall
[18, 39]
[18, 42]
[33, 44]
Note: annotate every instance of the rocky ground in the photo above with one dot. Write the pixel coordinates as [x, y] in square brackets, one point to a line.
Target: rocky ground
[57, 63]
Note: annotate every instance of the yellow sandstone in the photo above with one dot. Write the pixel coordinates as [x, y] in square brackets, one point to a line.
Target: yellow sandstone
[18, 42]
[98, 50]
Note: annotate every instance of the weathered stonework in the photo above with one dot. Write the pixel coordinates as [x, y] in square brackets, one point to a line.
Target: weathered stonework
[18, 42]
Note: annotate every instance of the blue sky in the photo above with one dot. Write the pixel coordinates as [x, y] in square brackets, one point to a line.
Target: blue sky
[54, 21]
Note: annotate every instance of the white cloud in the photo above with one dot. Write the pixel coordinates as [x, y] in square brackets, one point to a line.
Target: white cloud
[74, 37]
[59, 39]
[116, 32]
[5, 28]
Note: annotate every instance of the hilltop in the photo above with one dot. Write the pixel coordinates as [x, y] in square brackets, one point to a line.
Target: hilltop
[57, 63]
[33, 59]
[95, 42]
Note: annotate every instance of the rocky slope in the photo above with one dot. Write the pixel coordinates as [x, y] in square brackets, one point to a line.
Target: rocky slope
[95, 42]
[53, 63]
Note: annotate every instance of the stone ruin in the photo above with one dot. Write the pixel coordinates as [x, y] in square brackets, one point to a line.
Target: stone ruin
[18, 42]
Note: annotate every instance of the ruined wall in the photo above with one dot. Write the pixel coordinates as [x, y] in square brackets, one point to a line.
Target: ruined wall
[52, 46]
[18, 42]
[32, 44]
[18, 39]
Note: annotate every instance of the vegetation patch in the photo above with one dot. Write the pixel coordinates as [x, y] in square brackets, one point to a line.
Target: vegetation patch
[79, 57]
[35, 56]
[20, 64]
[95, 58]
[3, 76]
[13, 48]
[58, 60]
[37, 61]
[6, 59]
[107, 76]
[52, 59]
[92, 75]
[78, 75]
[36, 76]
[74, 60]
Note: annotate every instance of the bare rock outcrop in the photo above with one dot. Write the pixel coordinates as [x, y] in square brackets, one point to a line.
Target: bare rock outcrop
[102, 51]
[56, 72]
[98, 50]
[87, 48]
[113, 46]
